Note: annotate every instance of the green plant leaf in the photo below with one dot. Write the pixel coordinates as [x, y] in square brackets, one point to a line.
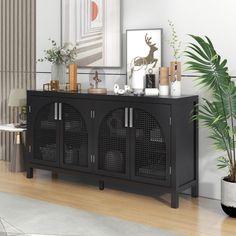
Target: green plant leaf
[223, 163]
[219, 114]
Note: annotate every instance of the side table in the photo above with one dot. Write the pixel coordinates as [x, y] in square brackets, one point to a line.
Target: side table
[17, 163]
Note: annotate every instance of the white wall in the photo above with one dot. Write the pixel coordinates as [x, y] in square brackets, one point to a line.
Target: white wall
[214, 18]
[111, 34]
[48, 25]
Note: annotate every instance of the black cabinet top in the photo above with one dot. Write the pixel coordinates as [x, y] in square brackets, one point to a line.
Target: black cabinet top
[110, 96]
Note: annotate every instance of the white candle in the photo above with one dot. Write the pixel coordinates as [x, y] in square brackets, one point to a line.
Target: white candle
[164, 90]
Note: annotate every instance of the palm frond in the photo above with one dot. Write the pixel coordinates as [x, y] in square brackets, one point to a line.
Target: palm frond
[223, 163]
[218, 115]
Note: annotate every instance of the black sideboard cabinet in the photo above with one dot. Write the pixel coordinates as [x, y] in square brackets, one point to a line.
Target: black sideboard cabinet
[149, 140]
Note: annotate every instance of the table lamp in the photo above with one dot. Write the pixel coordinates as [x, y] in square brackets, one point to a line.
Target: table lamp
[17, 98]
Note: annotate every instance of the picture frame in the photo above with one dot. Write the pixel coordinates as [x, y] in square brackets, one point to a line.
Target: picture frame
[95, 26]
[144, 50]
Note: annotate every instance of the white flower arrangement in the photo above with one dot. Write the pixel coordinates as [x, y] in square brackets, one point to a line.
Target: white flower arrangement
[66, 54]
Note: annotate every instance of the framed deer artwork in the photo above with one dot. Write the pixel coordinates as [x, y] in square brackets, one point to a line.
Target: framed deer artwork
[144, 51]
[93, 25]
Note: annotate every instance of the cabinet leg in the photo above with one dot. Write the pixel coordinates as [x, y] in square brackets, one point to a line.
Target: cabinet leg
[54, 175]
[101, 184]
[29, 173]
[174, 200]
[195, 191]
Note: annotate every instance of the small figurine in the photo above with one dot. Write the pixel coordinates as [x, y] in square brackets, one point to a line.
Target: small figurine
[127, 88]
[116, 88]
[118, 91]
[96, 79]
[96, 83]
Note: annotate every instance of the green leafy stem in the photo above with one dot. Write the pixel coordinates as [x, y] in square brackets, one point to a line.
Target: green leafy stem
[219, 114]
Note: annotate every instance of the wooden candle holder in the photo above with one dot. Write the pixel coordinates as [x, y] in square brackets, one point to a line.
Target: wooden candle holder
[164, 81]
[164, 75]
[175, 71]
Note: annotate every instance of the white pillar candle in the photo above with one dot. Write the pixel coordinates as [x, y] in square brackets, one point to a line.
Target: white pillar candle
[164, 90]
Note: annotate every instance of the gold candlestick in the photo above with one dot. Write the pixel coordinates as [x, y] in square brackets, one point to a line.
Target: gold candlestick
[73, 87]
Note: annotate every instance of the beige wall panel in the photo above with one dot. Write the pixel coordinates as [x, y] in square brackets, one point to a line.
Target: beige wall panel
[17, 59]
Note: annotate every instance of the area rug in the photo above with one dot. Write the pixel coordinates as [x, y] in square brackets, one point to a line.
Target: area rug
[25, 216]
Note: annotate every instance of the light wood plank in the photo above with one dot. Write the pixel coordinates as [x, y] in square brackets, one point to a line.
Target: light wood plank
[197, 217]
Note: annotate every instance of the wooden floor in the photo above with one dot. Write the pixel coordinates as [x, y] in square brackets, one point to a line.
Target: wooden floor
[194, 217]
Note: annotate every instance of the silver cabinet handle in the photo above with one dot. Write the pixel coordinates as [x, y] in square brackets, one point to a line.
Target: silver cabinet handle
[126, 117]
[92, 114]
[60, 111]
[131, 117]
[92, 158]
[55, 111]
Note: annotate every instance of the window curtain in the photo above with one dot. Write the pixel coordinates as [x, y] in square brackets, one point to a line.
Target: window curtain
[17, 59]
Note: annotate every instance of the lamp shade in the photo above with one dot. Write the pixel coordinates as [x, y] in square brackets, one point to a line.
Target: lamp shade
[17, 98]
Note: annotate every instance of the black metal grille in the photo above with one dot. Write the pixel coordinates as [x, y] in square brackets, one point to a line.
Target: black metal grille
[75, 137]
[112, 142]
[150, 146]
[45, 134]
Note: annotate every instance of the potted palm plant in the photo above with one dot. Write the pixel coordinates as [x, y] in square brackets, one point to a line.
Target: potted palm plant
[219, 113]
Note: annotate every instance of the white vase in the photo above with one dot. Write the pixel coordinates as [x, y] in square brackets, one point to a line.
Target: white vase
[58, 72]
[175, 78]
[175, 88]
[138, 80]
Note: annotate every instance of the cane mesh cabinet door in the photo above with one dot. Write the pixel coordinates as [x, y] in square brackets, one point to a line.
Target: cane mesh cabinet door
[151, 150]
[75, 138]
[112, 139]
[43, 125]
